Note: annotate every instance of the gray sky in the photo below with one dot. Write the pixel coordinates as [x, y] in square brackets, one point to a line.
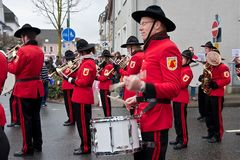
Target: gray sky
[85, 23]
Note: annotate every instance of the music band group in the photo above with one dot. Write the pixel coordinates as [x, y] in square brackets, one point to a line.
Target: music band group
[153, 77]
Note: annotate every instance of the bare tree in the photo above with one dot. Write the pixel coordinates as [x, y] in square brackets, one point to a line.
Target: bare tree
[7, 41]
[56, 11]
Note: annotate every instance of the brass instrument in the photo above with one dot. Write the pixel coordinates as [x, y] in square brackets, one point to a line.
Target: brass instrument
[100, 66]
[12, 53]
[207, 77]
[122, 63]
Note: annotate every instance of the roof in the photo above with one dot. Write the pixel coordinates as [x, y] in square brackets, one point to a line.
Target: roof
[9, 16]
[49, 36]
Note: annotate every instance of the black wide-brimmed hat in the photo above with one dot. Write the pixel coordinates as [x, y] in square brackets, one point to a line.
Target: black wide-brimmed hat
[156, 13]
[188, 54]
[69, 55]
[106, 53]
[26, 28]
[209, 45]
[132, 40]
[83, 45]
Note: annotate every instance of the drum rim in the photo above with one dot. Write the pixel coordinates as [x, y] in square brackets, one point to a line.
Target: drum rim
[113, 119]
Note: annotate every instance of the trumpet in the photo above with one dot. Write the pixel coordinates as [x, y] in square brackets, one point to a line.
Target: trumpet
[122, 63]
[207, 77]
[66, 69]
[12, 53]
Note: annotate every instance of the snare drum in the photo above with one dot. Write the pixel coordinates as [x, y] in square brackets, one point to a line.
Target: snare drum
[115, 135]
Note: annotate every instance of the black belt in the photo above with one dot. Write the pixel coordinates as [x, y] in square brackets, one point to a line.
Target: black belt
[158, 100]
[27, 79]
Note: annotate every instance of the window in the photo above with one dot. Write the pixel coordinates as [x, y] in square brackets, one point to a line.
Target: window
[124, 34]
[45, 48]
[51, 48]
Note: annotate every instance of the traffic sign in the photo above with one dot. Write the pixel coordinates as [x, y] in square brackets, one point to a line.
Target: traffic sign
[105, 44]
[215, 29]
[68, 34]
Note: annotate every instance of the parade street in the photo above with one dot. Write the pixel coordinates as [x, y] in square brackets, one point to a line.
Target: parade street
[59, 141]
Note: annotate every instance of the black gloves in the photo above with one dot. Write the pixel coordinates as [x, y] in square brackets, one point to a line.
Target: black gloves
[200, 78]
[213, 85]
[116, 67]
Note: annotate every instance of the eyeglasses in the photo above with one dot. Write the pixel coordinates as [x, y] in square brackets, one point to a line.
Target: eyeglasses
[144, 23]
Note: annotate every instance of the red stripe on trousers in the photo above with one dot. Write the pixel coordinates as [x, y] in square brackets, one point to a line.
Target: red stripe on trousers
[14, 109]
[22, 126]
[184, 127]
[107, 103]
[84, 131]
[70, 106]
[220, 117]
[157, 148]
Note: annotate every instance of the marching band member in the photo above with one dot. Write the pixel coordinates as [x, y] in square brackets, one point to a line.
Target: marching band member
[83, 95]
[67, 92]
[28, 89]
[104, 78]
[219, 79]
[4, 144]
[162, 81]
[134, 65]
[181, 101]
[202, 97]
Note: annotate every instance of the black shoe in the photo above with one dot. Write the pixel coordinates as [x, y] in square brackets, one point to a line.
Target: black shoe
[214, 140]
[207, 137]
[21, 154]
[200, 118]
[37, 149]
[80, 152]
[68, 124]
[77, 149]
[173, 142]
[67, 121]
[238, 133]
[11, 125]
[179, 146]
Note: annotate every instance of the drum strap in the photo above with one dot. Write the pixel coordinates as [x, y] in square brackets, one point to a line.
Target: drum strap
[148, 144]
[27, 79]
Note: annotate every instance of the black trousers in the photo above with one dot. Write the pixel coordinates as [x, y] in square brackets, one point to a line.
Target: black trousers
[214, 120]
[158, 152]
[106, 103]
[4, 145]
[14, 112]
[202, 102]
[67, 95]
[29, 110]
[83, 115]
[180, 122]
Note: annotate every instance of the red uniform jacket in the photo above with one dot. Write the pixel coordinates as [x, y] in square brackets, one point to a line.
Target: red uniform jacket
[82, 92]
[66, 85]
[162, 66]
[27, 65]
[187, 77]
[104, 78]
[3, 70]
[220, 75]
[133, 67]
[2, 116]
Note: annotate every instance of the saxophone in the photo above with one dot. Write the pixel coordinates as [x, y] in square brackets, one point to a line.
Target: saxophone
[207, 77]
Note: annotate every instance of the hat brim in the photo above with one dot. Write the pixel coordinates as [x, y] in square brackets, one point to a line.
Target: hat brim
[19, 32]
[131, 44]
[70, 57]
[106, 56]
[170, 26]
[90, 46]
[209, 46]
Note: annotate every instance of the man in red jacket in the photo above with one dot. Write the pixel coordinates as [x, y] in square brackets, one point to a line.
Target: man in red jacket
[220, 78]
[68, 90]
[134, 65]
[83, 95]
[181, 101]
[28, 89]
[161, 82]
[104, 78]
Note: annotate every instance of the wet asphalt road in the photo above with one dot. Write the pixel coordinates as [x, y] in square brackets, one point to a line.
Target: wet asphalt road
[59, 141]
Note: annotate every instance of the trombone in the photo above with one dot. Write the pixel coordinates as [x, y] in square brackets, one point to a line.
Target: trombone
[12, 53]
